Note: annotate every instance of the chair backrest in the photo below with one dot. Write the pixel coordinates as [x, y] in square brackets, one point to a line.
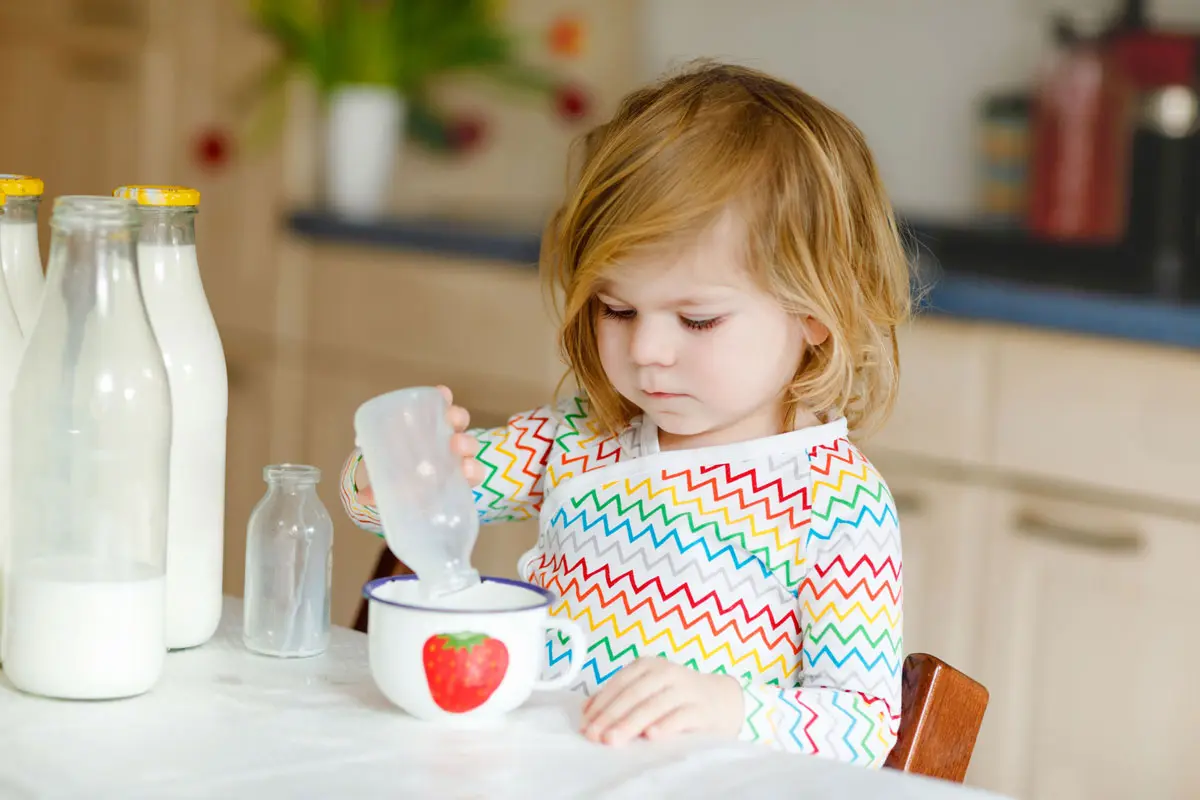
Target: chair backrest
[940, 716]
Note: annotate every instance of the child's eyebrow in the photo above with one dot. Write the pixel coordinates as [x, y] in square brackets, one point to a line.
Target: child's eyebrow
[697, 296]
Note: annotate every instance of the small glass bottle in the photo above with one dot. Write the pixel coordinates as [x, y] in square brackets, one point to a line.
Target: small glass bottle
[289, 562]
[91, 432]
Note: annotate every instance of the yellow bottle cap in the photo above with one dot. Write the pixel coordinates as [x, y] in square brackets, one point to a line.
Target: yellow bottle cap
[21, 185]
[3, 198]
[151, 195]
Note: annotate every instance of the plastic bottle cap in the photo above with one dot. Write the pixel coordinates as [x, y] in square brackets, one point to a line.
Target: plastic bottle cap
[21, 185]
[152, 195]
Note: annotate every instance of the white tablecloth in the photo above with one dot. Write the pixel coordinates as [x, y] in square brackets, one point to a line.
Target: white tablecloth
[224, 723]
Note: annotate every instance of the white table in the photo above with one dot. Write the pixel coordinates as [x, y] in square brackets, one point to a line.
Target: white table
[224, 723]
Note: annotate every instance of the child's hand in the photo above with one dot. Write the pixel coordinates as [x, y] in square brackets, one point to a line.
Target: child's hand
[653, 697]
[463, 444]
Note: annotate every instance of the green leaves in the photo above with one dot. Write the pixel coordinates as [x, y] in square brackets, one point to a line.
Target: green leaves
[406, 44]
[401, 43]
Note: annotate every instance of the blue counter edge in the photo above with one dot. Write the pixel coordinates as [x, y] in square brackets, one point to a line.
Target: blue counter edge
[1068, 310]
[950, 293]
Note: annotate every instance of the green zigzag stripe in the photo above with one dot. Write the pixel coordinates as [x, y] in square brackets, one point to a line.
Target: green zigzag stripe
[493, 470]
[815, 636]
[838, 498]
[569, 422]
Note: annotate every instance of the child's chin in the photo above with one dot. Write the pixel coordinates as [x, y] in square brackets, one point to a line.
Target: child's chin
[680, 425]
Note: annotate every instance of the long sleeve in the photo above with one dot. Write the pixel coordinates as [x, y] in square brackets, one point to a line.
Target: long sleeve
[363, 515]
[846, 702]
[514, 459]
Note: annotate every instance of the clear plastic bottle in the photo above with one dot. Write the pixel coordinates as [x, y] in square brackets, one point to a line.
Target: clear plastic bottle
[187, 334]
[11, 346]
[289, 563]
[20, 254]
[86, 599]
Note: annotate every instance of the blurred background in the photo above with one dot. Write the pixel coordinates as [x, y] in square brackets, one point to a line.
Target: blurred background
[374, 176]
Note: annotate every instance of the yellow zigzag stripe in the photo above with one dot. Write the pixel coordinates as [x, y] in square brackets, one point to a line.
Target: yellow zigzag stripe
[510, 463]
[697, 640]
[832, 608]
[723, 510]
[842, 474]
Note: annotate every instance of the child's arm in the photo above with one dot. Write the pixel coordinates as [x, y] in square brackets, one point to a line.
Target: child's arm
[847, 702]
[513, 459]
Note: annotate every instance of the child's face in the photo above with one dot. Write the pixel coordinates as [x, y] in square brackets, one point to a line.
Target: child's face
[690, 339]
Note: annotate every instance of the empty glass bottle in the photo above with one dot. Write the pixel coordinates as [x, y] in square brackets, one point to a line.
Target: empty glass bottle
[289, 558]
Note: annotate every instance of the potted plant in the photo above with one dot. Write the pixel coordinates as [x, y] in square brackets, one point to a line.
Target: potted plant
[374, 63]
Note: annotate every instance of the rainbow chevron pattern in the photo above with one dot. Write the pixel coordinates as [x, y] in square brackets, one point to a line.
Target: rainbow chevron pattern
[777, 562]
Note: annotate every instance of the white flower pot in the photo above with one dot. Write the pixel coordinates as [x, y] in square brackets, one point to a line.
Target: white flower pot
[363, 138]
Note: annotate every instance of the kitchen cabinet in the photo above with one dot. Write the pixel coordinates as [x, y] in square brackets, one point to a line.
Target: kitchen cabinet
[1088, 653]
[1048, 551]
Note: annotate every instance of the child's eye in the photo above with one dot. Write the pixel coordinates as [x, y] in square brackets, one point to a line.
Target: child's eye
[700, 324]
[617, 313]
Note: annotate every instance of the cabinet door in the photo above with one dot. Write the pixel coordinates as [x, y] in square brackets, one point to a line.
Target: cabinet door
[941, 537]
[1090, 653]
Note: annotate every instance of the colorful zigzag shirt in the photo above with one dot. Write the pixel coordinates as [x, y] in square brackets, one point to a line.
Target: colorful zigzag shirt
[776, 561]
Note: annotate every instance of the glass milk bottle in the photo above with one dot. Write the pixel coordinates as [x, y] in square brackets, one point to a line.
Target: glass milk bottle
[20, 254]
[289, 566]
[91, 417]
[191, 346]
[11, 346]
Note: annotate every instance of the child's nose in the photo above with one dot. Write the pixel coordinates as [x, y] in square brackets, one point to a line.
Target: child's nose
[651, 345]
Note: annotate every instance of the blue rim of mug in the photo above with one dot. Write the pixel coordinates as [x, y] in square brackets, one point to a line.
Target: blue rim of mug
[370, 586]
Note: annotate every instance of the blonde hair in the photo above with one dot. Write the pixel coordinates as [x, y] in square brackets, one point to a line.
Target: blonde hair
[821, 234]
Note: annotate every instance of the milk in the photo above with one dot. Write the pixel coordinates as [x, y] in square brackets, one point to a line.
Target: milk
[73, 638]
[195, 362]
[12, 345]
[22, 262]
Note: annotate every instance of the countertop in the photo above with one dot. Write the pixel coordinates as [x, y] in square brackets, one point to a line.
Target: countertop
[225, 723]
[987, 276]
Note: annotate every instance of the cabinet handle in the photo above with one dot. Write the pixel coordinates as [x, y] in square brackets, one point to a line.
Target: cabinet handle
[1117, 542]
[908, 502]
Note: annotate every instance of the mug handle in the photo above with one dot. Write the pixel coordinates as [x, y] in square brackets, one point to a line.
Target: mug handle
[577, 641]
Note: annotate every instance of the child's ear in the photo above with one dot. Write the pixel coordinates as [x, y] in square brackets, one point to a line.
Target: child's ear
[815, 332]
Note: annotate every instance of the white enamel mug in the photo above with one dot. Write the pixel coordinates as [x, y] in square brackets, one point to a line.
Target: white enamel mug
[472, 655]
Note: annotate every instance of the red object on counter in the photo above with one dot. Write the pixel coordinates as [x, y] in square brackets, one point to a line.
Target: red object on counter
[1082, 127]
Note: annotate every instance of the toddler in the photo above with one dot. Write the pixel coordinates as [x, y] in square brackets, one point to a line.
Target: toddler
[731, 278]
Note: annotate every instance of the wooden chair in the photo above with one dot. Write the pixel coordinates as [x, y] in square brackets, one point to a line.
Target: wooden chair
[940, 716]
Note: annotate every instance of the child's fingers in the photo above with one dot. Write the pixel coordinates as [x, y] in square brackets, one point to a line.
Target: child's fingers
[464, 444]
[474, 471]
[458, 417]
[366, 495]
[446, 393]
